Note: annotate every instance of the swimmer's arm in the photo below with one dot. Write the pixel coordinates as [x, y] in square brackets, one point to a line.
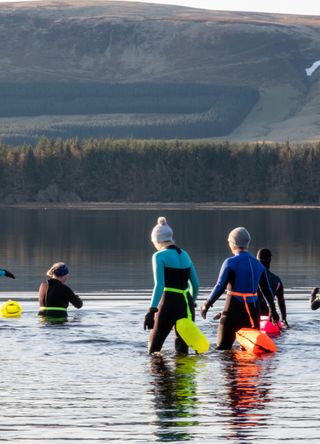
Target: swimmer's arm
[281, 301]
[42, 294]
[194, 282]
[158, 276]
[266, 290]
[315, 299]
[74, 299]
[221, 284]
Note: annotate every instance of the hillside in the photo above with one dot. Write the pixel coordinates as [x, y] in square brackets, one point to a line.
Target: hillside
[244, 73]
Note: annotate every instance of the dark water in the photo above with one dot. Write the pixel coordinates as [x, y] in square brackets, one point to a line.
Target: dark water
[108, 250]
[90, 380]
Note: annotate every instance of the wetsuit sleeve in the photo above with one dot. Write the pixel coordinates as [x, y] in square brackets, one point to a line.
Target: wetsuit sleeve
[158, 276]
[222, 282]
[281, 302]
[2, 272]
[194, 282]
[266, 290]
[74, 299]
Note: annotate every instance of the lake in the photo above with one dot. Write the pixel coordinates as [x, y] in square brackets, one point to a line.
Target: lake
[111, 249]
[90, 379]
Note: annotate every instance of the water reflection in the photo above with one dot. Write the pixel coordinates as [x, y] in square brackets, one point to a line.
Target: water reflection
[175, 396]
[247, 382]
[111, 249]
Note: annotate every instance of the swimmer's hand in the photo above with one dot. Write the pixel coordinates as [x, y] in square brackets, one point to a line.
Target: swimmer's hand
[8, 274]
[149, 319]
[204, 309]
[315, 299]
[217, 316]
[284, 323]
[274, 317]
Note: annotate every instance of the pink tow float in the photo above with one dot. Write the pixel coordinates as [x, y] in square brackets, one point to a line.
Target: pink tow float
[268, 327]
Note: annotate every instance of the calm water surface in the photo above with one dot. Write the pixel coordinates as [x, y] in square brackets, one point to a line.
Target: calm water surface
[90, 380]
[112, 250]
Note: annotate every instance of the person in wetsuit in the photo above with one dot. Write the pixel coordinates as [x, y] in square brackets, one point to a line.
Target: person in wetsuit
[241, 275]
[315, 299]
[175, 289]
[54, 295]
[264, 255]
[6, 273]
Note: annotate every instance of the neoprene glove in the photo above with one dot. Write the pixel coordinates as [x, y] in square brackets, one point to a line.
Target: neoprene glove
[284, 323]
[149, 319]
[8, 274]
[204, 309]
[274, 315]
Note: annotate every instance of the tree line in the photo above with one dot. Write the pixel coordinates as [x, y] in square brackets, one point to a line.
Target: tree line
[131, 170]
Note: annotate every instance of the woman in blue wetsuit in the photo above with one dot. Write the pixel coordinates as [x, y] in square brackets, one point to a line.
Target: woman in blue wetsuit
[54, 295]
[175, 289]
[241, 275]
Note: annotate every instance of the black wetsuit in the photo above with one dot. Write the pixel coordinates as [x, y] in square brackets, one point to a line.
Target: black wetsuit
[173, 269]
[277, 289]
[59, 296]
[315, 300]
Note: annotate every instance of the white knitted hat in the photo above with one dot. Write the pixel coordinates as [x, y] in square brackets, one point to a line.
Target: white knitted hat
[162, 232]
[240, 237]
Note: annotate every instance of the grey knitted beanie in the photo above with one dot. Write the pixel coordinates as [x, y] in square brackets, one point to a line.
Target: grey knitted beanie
[239, 237]
[162, 232]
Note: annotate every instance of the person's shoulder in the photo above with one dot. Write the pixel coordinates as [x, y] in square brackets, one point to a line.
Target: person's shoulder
[274, 276]
[230, 260]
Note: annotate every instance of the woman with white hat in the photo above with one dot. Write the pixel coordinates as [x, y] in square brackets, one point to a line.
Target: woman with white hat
[175, 289]
[241, 275]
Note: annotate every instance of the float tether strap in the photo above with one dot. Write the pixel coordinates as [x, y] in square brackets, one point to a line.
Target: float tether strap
[185, 293]
[244, 296]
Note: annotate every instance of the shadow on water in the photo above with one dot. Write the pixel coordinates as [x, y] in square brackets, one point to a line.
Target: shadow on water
[247, 385]
[175, 396]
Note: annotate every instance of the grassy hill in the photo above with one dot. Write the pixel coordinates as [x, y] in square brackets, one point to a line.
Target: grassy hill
[100, 68]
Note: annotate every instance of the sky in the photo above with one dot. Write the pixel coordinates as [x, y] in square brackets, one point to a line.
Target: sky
[309, 7]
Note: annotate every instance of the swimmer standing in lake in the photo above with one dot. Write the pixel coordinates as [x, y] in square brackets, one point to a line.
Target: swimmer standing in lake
[175, 289]
[315, 299]
[241, 275]
[54, 295]
[264, 255]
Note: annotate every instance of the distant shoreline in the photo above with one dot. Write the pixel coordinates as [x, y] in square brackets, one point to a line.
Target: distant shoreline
[182, 206]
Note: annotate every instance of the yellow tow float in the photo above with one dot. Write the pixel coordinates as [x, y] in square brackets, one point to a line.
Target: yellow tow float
[11, 309]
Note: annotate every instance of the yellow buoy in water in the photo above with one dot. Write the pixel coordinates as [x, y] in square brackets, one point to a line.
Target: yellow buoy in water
[192, 335]
[11, 309]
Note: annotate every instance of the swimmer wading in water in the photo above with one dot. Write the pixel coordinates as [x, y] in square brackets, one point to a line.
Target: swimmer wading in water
[241, 275]
[175, 289]
[54, 295]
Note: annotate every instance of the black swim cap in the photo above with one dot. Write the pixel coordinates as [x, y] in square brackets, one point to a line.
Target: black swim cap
[61, 271]
[264, 255]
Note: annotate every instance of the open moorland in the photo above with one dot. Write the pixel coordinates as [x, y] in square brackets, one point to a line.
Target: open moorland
[116, 69]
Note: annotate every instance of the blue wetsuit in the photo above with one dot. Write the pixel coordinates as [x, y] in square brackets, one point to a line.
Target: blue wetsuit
[241, 275]
[172, 269]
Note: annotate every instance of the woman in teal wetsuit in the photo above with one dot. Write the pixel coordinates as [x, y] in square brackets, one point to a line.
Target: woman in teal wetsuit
[175, 289]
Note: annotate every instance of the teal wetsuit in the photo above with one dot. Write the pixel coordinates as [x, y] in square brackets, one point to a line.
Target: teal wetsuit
[172, 269]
